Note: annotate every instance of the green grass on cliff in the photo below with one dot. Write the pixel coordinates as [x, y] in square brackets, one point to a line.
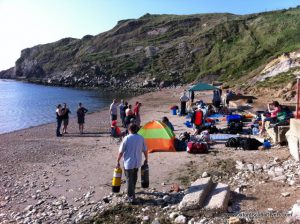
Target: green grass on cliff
[252, 43]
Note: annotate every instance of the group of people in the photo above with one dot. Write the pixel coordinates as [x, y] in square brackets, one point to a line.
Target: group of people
[217, 99]
[200, 110]
[128, 115]
[62, 117]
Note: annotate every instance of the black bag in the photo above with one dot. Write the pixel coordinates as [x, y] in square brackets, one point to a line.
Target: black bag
[233, 142]
[250, 144]
[213, 129]
[145, 175]
[180, 145]
[235, 128]
[249, 100]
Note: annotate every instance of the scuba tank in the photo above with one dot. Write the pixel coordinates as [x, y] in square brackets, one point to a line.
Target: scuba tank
[116, 180]
[145, 175]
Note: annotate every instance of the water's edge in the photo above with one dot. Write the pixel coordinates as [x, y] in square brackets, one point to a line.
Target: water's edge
[19, 118]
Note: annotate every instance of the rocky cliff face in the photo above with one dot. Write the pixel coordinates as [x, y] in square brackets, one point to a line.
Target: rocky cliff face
[282, 64]
[278, 77]
[163, 50]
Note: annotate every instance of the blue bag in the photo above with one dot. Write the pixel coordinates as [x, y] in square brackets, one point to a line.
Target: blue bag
[233, 118]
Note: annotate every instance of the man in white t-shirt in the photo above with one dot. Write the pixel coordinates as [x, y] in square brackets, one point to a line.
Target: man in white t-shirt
[113, 110]
[132, 149]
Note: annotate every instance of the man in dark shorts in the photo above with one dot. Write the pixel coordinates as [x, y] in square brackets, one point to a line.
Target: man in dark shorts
[113, 110]
[81, 111]
[66, 112]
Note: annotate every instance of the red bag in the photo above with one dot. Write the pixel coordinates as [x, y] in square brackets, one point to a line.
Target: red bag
[197, 147]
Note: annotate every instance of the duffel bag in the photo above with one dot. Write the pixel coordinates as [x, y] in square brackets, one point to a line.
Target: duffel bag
[250, 144]
[233, 142]
[197, 147]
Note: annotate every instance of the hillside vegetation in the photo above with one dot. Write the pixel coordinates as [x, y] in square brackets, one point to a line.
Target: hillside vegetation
[164, 49]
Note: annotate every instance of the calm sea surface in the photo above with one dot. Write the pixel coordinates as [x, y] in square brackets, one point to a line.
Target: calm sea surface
[24, 105]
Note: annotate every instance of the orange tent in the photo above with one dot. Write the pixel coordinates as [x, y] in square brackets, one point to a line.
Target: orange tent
[158, 137]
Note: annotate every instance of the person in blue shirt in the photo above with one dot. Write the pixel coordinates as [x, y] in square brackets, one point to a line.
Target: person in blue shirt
[122, 112]
[132, 149]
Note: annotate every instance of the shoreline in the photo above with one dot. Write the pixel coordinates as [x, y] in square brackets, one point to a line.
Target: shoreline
[113, 94]
[105, 89]
[51, 123]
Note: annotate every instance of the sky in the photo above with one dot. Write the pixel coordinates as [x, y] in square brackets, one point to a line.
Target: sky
[26, 23]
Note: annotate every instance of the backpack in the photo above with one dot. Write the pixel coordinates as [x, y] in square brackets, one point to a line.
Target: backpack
[233, 142]
[197, 147]
[250, 144]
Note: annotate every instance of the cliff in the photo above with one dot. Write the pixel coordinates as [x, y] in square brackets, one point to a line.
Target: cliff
[163, 50]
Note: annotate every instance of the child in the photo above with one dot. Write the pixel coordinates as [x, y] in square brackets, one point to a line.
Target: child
[115, 130]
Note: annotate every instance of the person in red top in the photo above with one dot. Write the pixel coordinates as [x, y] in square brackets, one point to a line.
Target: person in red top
[197, 120]
[276, 108]
[115, 130]
[136, 111]
[273, 109]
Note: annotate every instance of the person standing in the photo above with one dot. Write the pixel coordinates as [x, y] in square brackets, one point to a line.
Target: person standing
[66, 111]
[136, 111]
[113, 110]
[128, 115]
[216, 99]
[122, 112]
[228, 97]
[81, 111]
[125, 108]
[131, 149]
[183, 99]
[59, 116]
[192, 96]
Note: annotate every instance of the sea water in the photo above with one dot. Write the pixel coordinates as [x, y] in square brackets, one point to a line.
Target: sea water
[24, 105]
